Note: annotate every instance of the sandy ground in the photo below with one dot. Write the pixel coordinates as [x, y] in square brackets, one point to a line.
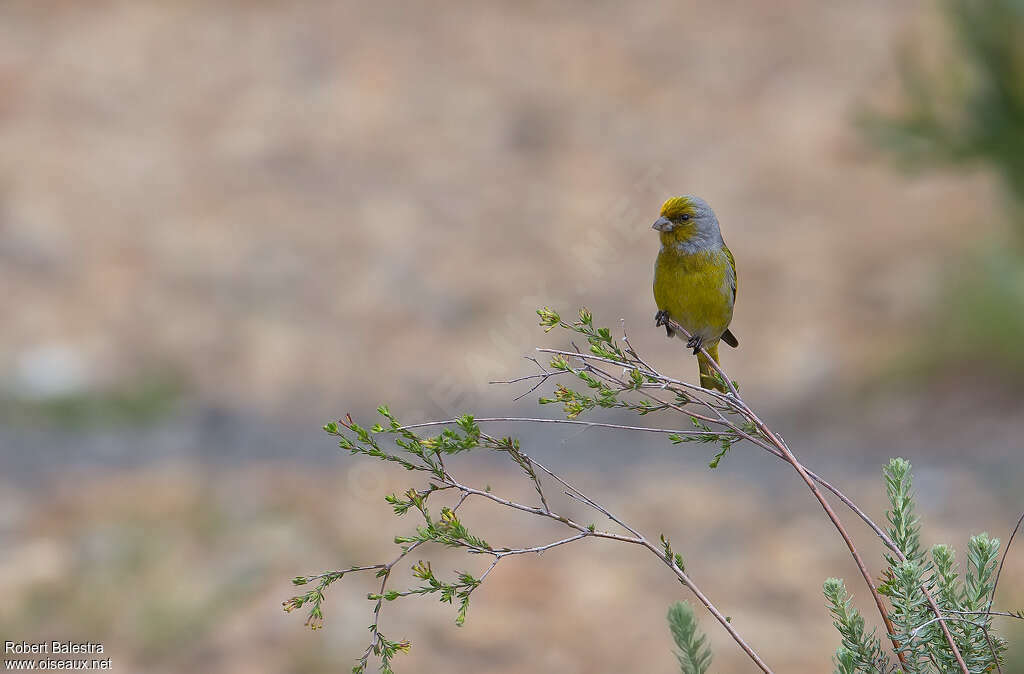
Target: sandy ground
[185, 568]
[285, 204]
[224, 223]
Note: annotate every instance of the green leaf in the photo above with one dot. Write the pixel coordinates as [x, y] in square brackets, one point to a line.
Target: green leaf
[861, 649]
[726, 446]
[692, 652]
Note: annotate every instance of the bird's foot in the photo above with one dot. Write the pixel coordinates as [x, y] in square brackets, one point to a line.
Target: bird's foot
[696, 343]
[661, 318]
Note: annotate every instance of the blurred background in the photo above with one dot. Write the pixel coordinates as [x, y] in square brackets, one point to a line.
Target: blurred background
[223, 224]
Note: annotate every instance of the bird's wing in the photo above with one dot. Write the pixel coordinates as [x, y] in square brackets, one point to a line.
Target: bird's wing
[732, 263]
[728, 337]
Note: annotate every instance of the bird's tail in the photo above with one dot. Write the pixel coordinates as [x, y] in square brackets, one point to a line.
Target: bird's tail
[708, 377]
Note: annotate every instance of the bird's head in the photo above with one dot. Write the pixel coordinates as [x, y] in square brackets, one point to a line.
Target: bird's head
[688, 223]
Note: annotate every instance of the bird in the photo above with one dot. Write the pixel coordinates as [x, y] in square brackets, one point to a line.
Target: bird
[695, 280]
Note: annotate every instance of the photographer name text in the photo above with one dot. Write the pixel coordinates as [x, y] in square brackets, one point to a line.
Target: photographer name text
[51, 647]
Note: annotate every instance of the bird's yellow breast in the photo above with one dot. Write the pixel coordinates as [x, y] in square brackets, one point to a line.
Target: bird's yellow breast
[696, 289]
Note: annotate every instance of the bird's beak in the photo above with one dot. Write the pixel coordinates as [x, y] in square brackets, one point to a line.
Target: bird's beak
[662, 224]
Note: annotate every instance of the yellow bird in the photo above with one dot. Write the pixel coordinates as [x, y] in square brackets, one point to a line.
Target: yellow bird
[695, 279]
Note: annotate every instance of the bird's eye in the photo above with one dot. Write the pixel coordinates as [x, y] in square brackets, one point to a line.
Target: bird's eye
[686, 216]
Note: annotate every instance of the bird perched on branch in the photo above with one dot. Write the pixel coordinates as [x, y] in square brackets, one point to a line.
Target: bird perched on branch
[695, 280]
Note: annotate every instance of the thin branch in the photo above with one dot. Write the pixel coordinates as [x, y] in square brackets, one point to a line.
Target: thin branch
[683, 577]
[375, 633]
[505, 552]
[887, 541]
[791, 458]
[540, 420]
[637, 539]
[685, 580]
[1006, 551]
[462, 499]
[1019, 615]
[542, 377]
[354, 569]
[942, 620]
[629, 347]
[732, 418]
[739, 431]
[735, 402]
[589, 501]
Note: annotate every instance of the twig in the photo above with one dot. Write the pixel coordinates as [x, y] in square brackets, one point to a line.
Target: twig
[791, 458]
[1002, 614]
[629, 347]
[542, 377]
[886, 540]
[1006, 551]
[733, 419]
[539, 420]
[739, 431]
[710, 607]
[942, 620]
[586, 532]
[354, 569]
[375, 633]
[734, 402]
[589, 501]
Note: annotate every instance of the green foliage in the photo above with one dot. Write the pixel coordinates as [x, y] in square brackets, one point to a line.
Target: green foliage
[391, 441]
[726, 445]
[692, 652]
[670, 556]
[974, 636]
[447, 531]
[605, 394]
[614, 375]
[986, 295]
[386, 650]
[146, 399]
[968, 107]
[426, 454]
[602, 395]
[910, 612]
[419, 453]
[600, 339]
[447, 592]
[860, 651]
[314, 597]
[706, 435]
[904, 527]
[964, 603]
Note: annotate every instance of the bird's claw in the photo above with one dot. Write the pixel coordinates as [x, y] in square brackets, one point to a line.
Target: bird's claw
[661, 318]
[696, 343]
